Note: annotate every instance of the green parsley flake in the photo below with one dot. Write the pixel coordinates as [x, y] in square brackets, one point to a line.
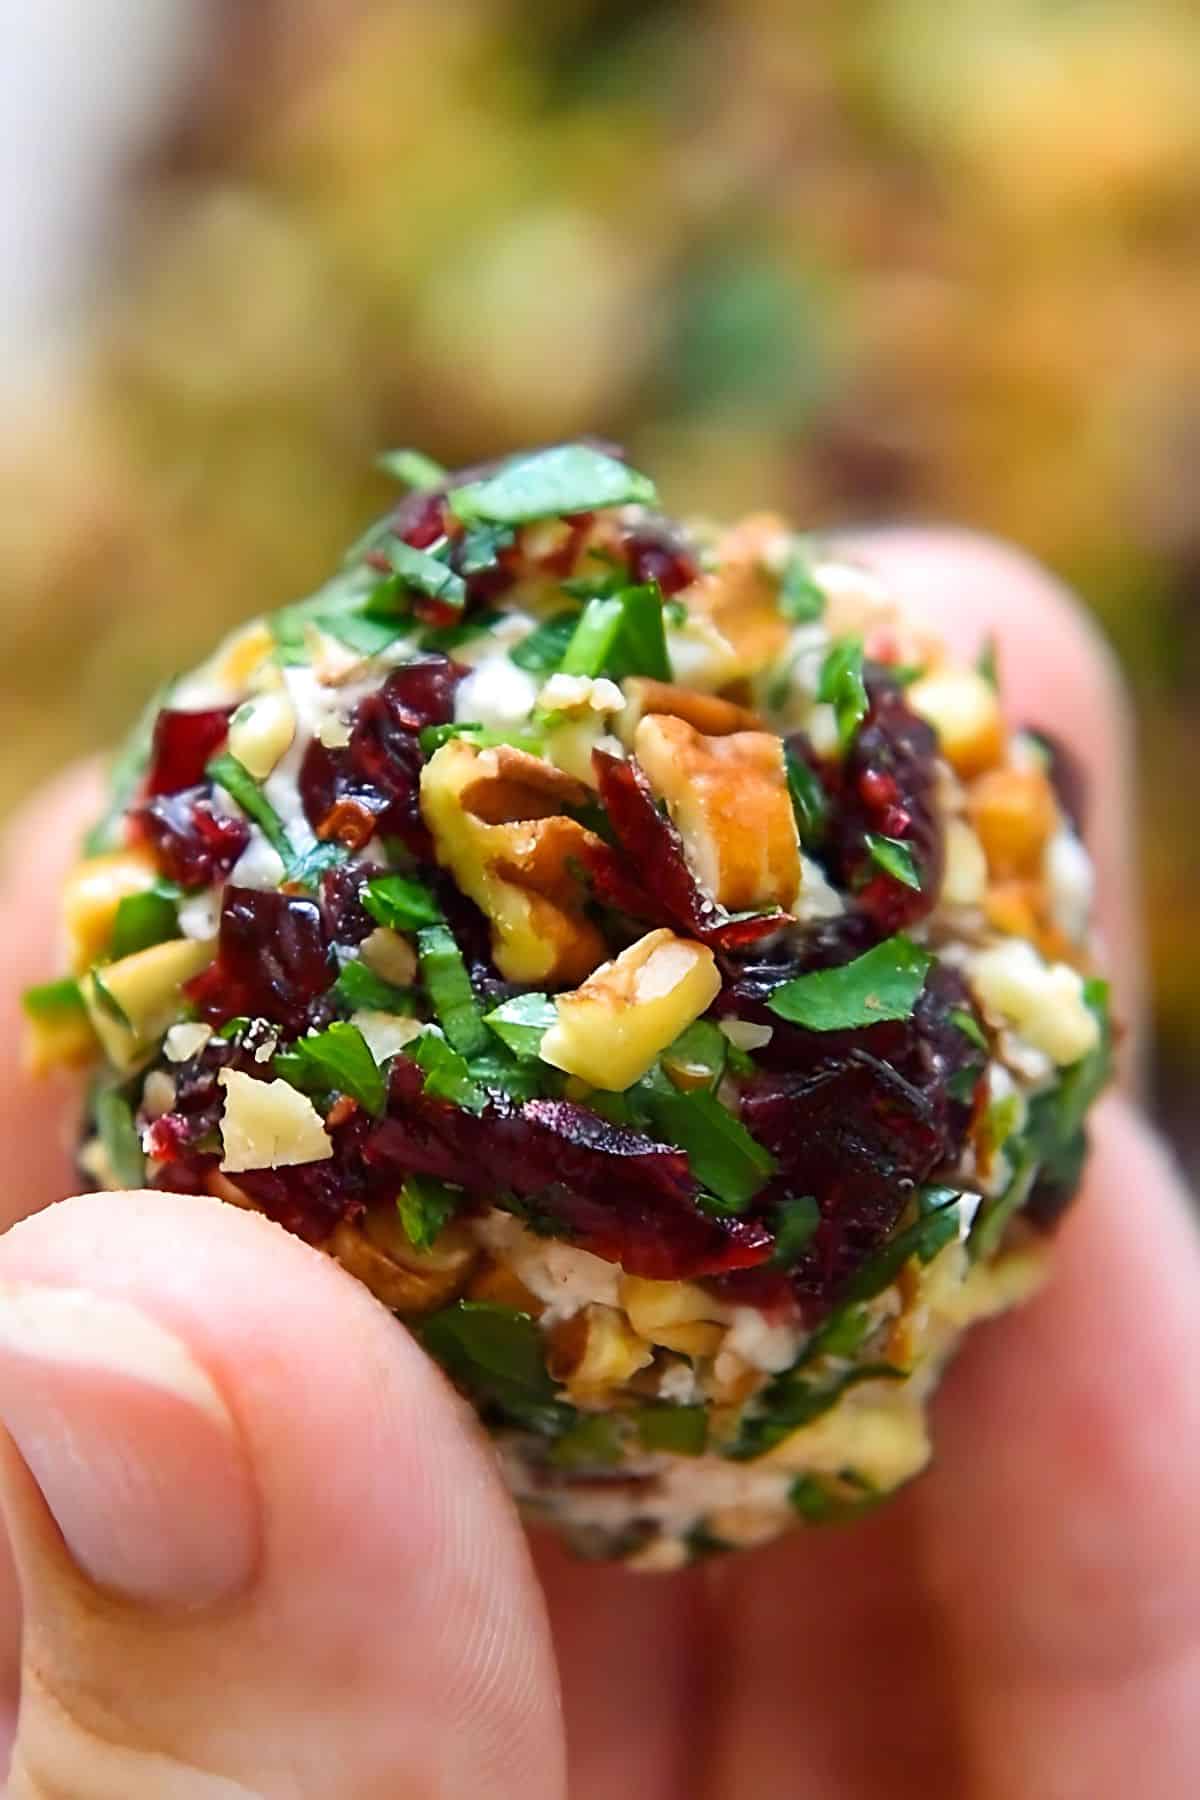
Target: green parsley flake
[541, 653]
[144, 920]
[337, 1060]
[119, 1135]
[447, 1075]
[570, 478]
[522, 1022]
[794, 1222]
[360, 990]
[450, 992]
[842, 686]
[412, 468]
[724, 1158]
[884, 983]
[801, 601]
[54, 999]
[497, 1355]
[969, 1025]
[400, 903]
[895, 858]
[678, 1430]
[426, 1207]
[241, 786]
[418, 572]
[810, 802]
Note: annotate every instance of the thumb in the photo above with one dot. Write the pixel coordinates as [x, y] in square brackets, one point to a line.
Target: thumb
[261, 1548]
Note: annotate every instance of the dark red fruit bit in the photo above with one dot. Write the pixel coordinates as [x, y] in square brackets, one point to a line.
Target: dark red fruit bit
[379, 772]
[657, 551]
[421, 520]
[612, 1191]
[341, 893]
[313, 1199]
[888, 788]
[184, 744]
[192, 843]
[273, 961]
[1067, 776]
[648, 876]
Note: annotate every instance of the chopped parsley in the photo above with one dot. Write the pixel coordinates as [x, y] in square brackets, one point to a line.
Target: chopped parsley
[359, 989]
[592, 1441]
[679, 1430]
[144, 920]
[426, 1207]
[932, 1231]
[570, 478]
[543, 650]
[241, 786]
[118, 1133]
[810, 802]
[450, 992]
[796, 1398]
[730, 1164]
[447, 1075]
[496, 1354]
[52, 999]
[412, 468]
[522, 1022]
[842, 686]
[895, 858]
[801, 601]
[969, 1025]
[698, 1057]
[305, 871]
[620, 634]
[884, 983]
[336, 1060]
[400, 903]
[414, 572]
[794, 1222]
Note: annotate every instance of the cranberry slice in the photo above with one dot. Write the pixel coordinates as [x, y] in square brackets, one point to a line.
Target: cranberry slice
[192, 843]
[273, 961]
[183, 745]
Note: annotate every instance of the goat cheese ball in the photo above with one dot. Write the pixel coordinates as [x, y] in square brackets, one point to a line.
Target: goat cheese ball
[635, 952]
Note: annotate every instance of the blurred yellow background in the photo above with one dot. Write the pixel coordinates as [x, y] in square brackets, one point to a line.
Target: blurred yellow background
[886, 258]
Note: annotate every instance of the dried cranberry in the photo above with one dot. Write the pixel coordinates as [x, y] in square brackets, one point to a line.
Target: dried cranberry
[613, 1191]
[183, 745]
[312, 1199]
[346, 918]
[648, 876]
[658, 551]
[887, 788]
[380, 770]
[273, 961]
[192, 843]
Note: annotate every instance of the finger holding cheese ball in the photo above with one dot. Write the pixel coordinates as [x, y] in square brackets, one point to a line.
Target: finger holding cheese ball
[601, 938]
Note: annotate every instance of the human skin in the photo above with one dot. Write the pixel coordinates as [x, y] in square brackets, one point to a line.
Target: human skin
[263, 1552]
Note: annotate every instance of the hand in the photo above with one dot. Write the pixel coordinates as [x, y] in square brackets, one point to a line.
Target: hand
[262, 1551]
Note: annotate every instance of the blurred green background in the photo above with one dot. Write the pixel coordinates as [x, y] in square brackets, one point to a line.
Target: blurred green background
[886, 258]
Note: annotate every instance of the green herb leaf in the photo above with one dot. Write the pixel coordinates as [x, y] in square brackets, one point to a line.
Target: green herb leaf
[480, 547]
[962, 1084]
[241, 786]
[824, 1501]
[643, 641]
[450, 992]
[570, 478]
[995, 1210]
[417, 572]
[426, 1207]
[842, 685]
[810, 802]
[678, 1430]
[793, 1222]
[841, 1334]
[698, 1056]
[884, 983]
[52, 999]
[724, 1157]
[359, 990]
[895, 858]
[400, 903]
[443, 639]
[986, 663]
[412, 468]
[594, 639]
[337, 1060]
[496, 1355]
[931, 1233]
[969, 1025]
[144, 920]
[306, 871]
[592, 1441]
[447, 1076]
[108, 1002]
[119, 1135]
[523, 1022]
[796, 1398]
[543, 650]
[800, 599]
[432, 737]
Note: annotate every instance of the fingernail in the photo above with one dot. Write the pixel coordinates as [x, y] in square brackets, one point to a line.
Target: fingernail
[129, 1440]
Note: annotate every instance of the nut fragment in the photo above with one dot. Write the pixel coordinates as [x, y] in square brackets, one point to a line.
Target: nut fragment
[138, 1000]
[676, 1314]
[728, 797]
[964, 710]
[610, 1030]
[409, 1287]
[706, 712]
[520, 871]
[390, 956]
[94, 890]
[268, 1125]
[596, 1349]
[1015, 814]
[740, 596]
[261, 732]
[1043, 1000]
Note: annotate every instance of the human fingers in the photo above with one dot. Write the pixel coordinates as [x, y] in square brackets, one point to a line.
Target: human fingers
[36, 1117]
[261, 1546]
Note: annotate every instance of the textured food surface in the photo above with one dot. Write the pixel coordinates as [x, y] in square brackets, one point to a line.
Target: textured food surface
[636, 953]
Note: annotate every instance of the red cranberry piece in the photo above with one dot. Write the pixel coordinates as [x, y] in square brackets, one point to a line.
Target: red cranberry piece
[648, 876]
[887, 788]
[273, 961]
[424, 521]
[658, 552]
[313, 1199]
[192, 843]
[184, 744]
